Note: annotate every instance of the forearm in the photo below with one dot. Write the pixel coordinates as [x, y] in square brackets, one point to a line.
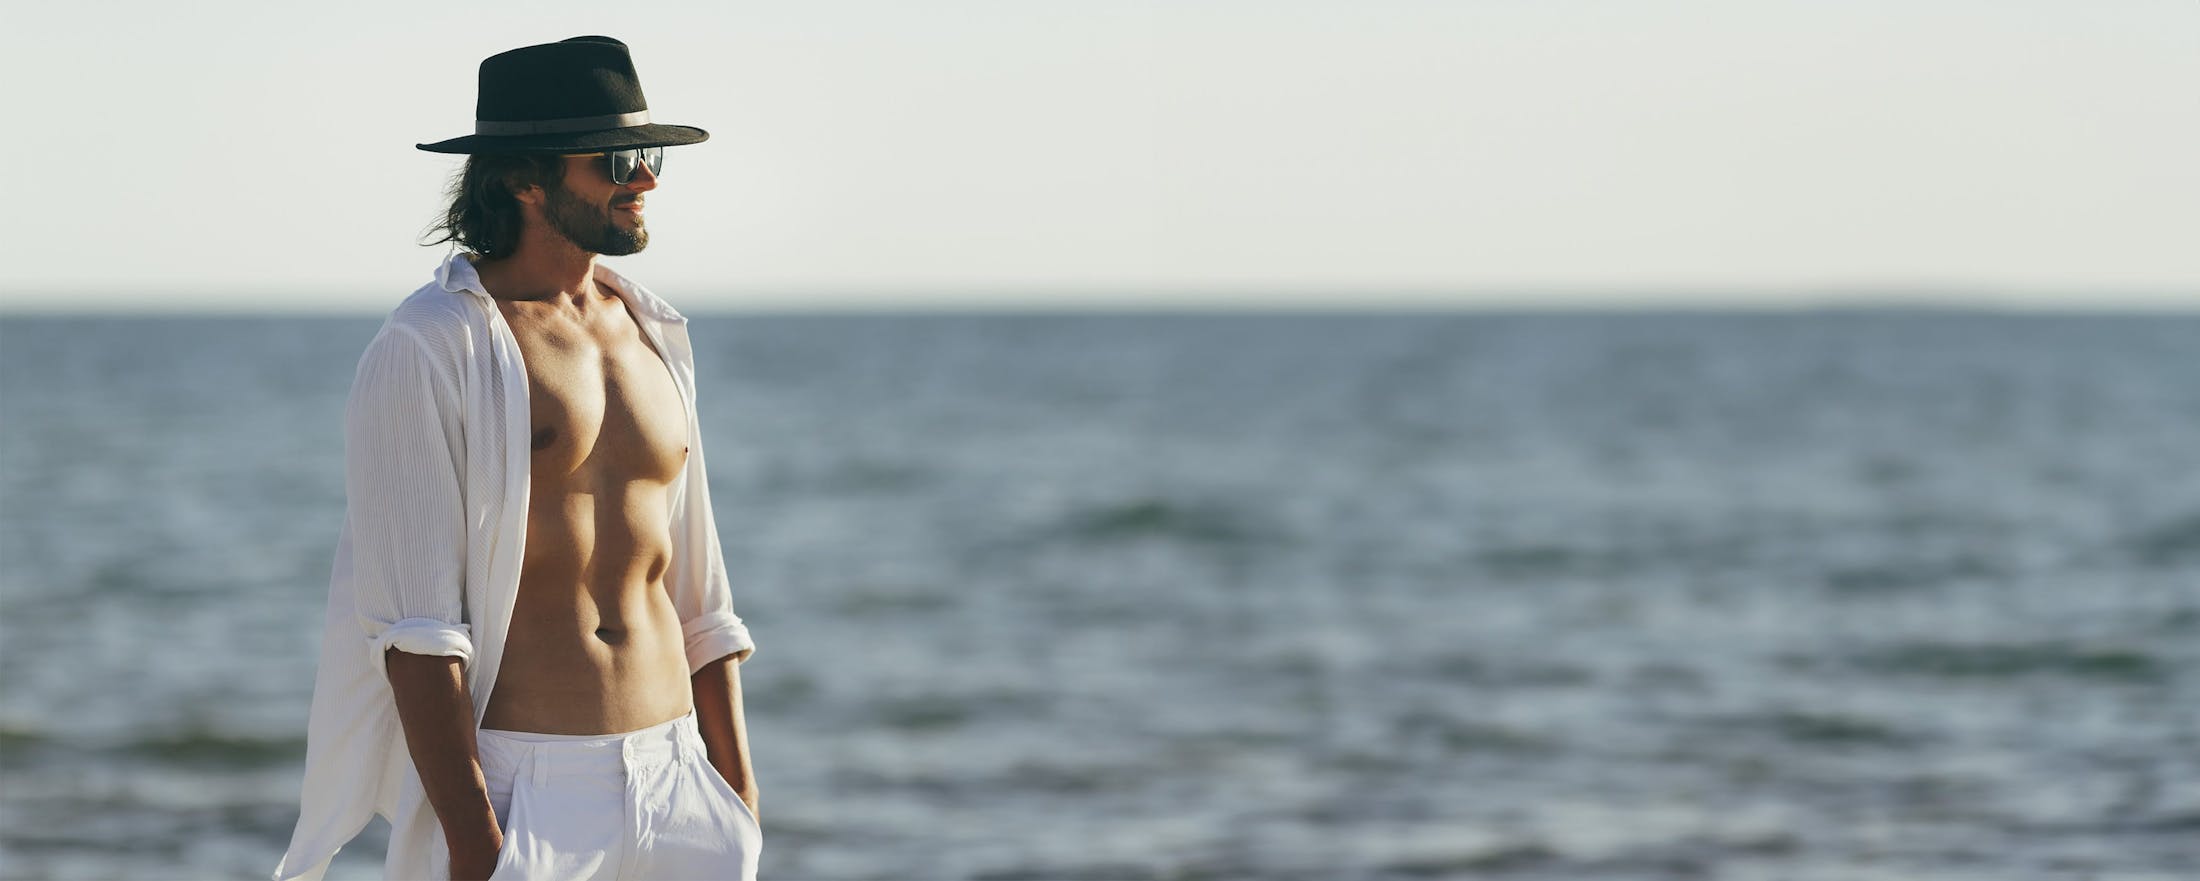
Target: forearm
[438, 717]
[719, 718]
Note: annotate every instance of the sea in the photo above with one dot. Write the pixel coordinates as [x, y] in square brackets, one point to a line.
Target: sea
[1817, 594]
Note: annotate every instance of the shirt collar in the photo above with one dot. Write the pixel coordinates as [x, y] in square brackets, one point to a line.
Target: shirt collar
[457, 275]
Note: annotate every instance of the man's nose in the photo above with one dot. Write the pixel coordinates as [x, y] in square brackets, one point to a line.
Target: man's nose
[644, 178]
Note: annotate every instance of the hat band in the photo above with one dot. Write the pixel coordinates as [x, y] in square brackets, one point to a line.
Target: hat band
[561, 126]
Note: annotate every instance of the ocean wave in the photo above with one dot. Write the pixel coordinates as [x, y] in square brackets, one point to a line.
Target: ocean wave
[1991, 660]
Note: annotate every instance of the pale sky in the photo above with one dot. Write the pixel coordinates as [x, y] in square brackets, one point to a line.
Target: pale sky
[1027, 154]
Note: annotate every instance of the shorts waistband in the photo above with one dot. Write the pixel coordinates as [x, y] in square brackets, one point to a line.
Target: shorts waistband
[589, 753]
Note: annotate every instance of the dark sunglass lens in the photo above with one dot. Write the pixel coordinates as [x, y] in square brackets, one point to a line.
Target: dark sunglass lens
[622, 166]
[655, 156]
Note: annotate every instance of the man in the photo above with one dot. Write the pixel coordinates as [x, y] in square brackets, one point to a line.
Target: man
[530, 661]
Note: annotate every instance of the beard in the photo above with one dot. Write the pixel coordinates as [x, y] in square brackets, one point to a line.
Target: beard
[590, 227]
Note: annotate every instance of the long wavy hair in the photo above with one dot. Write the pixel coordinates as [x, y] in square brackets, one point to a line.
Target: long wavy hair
[484, 216]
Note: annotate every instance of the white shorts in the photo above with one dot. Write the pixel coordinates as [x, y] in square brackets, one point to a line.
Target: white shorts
[642, 805]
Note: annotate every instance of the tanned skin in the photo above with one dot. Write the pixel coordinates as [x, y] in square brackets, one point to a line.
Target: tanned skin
[595, 646]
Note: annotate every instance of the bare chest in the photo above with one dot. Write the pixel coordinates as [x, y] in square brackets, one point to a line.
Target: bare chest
[602, 407]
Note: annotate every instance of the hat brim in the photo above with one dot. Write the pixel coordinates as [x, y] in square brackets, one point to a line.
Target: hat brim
[574, 142]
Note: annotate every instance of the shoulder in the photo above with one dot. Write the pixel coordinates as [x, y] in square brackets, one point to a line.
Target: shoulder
[646, 300]
[441, 323]
[432, 332]
[432, 311]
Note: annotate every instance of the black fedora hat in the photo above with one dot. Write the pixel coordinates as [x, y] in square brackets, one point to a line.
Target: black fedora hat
[572, 96]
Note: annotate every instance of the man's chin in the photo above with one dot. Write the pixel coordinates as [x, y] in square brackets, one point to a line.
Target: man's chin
[616, 243]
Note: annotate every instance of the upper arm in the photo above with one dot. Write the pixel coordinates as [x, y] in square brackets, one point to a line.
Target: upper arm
[403, 448]
[702, 593]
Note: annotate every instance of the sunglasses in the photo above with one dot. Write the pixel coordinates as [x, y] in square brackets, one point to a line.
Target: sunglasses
[623, 161]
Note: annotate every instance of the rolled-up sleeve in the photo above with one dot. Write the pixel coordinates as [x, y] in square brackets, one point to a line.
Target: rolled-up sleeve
[701, 592]
[716, 635]
[402, 452]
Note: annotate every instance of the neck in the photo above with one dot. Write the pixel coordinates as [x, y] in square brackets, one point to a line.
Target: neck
[545, 267]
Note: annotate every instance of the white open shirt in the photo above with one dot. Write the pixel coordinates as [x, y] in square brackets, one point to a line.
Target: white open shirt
[436, 450]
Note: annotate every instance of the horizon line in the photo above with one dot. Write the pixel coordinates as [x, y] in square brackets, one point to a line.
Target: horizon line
[1227, 297]
[2104, 306]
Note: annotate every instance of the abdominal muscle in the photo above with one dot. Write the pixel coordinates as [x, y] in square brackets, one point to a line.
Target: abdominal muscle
[595, 646]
